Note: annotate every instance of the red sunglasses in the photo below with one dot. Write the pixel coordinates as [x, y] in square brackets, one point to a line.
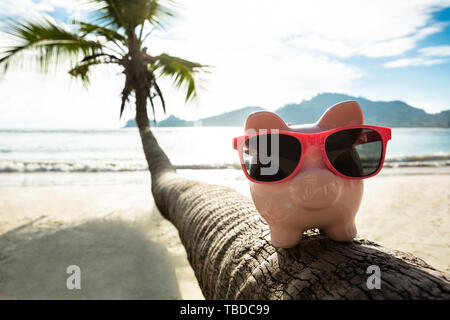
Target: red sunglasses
[351, 152]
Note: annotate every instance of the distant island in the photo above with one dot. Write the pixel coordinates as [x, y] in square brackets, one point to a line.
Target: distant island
[382, 113]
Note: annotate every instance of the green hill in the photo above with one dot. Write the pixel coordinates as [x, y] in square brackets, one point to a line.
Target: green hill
[234, 118]
[384, 113]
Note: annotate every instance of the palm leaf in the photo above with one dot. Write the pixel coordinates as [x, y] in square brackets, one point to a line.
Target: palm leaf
[180, 70]
[82, 69]
[127, 89]
[160, 95]
[49, 41]
[150, 97]
[112, 58]
[128, 14]
[110, 34]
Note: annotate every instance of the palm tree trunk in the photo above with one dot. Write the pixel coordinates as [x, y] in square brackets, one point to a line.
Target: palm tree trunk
[228, 247]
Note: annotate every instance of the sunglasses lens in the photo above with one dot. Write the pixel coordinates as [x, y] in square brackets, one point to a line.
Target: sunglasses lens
[355, 152]
[271, 157]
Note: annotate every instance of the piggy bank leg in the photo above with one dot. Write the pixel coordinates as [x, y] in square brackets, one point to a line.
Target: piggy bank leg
[285, 238]
[341, 232]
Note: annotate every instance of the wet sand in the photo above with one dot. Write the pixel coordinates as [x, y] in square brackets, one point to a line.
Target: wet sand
[110, 228]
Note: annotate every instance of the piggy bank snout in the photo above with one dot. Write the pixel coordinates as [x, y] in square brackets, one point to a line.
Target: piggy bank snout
[317, 188]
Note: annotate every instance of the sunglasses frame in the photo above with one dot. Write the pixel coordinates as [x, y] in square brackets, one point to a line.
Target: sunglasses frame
[313, 139]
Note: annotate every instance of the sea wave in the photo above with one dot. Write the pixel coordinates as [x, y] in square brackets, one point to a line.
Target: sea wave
[410, 161]
[130, 165]
[420, 158]
[11, 166]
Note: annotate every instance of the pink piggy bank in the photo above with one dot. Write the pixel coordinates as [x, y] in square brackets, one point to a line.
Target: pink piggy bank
[310, 176]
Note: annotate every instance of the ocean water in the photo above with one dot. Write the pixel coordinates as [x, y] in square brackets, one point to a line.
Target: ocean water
[189, 148]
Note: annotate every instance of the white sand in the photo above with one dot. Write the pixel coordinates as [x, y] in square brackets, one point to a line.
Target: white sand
[409, 213]
[125, 249]
[123, 246]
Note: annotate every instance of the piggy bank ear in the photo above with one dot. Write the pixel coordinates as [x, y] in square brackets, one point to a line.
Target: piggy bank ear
[342, 114]
[265, 120]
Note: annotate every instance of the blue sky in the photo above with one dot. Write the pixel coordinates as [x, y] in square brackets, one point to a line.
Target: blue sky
[426, 86]
[263, 54]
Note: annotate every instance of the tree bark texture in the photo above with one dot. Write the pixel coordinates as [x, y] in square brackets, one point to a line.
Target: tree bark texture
[228, 246]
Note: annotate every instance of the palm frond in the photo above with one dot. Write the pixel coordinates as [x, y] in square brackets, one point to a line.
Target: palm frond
[82, 69]
[129, 14]
[180, 70]
[127, 89]
[48, 40]
[160, 95]
[150, 97]
[109, 34]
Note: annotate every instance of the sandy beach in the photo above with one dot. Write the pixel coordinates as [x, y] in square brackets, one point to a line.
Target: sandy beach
[107, 224]
[123, 246]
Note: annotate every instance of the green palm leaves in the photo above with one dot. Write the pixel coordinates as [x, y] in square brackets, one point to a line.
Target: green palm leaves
[114, 35]
[129, 14]
[180, 70]
[48, 42]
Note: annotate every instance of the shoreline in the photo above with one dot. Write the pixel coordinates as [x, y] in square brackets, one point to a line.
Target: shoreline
[30, 179]
[136, 165]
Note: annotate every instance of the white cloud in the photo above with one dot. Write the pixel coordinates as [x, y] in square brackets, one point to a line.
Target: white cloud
[413, 62]
[437, 51]
[428, 56]
[10, 8]
[371, 29]
[398, 46]
[372, 48]
[76, 9]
